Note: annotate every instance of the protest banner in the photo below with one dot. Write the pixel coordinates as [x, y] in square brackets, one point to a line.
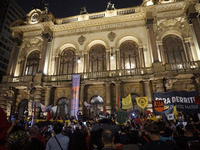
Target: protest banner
[184, 101]
[142, 102]
[127, 102]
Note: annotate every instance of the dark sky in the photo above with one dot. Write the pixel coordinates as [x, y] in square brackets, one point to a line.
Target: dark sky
[66, 8]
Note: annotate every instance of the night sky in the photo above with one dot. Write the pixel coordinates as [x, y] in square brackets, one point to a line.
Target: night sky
[66, 8]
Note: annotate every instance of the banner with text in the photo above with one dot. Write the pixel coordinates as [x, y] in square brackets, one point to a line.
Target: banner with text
[184, 101]
[75, 94]
[127, 102]
[142, 102]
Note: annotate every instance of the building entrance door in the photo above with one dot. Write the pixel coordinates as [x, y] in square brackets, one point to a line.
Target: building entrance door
[97, 105]
[23, 108]
[62, 109]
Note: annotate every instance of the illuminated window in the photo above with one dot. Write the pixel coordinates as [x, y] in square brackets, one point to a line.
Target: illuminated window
[129, 55]
[32, 63]
[67, 61]
[173, 49]
[98, 58]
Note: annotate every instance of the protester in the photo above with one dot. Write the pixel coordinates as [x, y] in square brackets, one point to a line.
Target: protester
[59, 141]
[156, 143]
[108, 140]
[35, 144]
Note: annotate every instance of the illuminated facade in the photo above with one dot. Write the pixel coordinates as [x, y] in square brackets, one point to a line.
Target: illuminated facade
[139, 50]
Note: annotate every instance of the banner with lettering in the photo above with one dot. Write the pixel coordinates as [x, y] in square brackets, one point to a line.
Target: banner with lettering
[127, 102]
[164, 102]
[75, 94]
[142, 102]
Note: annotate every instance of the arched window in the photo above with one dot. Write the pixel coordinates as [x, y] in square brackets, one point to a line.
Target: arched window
[32, 63]
[173, 49]
[97, 104]
[129, 55]
[98, 58]
[67, 61]
[62, 108]
[23, 108]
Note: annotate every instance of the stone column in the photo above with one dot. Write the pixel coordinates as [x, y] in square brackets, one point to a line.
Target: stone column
[3, 98]
[13, 58]
[76, 64]
[118, 91]
[107, 60]
[188, 51]
[193, 20]
[141, 57]
[22, 63]
[159, 85]
[81, 106]
[108, 97]
[47, 96]
[148, 93]
[162, 53]
[43, 53]
[86, 62]
[56, 65]
[152, 38]
[37, 98]
[118, 59]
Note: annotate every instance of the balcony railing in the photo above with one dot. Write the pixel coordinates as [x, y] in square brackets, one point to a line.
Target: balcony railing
[102, 74]
[183, 66]
[192, 67]
[18, 79]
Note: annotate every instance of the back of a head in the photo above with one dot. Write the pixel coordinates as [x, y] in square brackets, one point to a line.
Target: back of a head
[107, 136]
[33, 130]
[153, 129]
[58, 128]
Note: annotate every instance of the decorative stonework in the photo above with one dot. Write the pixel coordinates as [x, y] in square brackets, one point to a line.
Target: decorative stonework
[81, 39]
[197, 7]
[30, 43]
[111, 36]
[173, 24]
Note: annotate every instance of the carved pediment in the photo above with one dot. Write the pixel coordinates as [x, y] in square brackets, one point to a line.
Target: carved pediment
[30, 43]
[173, 24]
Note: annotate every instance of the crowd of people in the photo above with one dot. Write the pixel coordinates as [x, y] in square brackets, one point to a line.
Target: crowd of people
[137, 133]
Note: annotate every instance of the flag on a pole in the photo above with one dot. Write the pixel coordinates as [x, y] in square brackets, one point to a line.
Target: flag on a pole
[175, 113]
[75, 94]
[54, 109]
[88, 106]
[119, 102]
[48, 115]
[127, 102]
[142, 102]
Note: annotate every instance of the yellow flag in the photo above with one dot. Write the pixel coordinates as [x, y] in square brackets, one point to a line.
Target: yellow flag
[142, 102]
[175, 113]
[127, 102]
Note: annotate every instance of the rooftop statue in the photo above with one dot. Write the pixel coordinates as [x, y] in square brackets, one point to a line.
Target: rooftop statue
[83, 11]
[110, 6]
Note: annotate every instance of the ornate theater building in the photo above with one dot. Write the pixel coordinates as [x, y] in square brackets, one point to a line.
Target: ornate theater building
[154, 47]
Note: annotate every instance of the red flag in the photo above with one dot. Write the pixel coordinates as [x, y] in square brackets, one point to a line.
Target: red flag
[34, 108]
[48, 115]
[119, 103]
[118, 100]
[197, 101]
[104, 110]
[4, 125]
